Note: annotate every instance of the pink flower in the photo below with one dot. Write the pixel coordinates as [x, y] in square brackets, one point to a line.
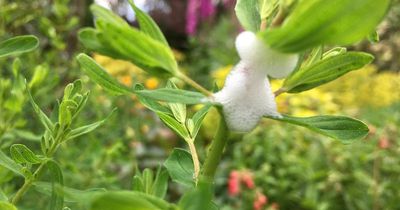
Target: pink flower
[260, 201]
[384, 142]
[247, 179]
[234, 183]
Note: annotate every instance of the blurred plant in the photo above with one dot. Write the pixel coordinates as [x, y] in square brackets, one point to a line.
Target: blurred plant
[24, 162]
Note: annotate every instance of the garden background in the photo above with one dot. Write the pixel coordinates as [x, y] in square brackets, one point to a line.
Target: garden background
[284, 165]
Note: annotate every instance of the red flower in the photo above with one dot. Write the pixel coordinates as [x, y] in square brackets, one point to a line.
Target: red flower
[247, 178]
[260, 201]
[234, 183]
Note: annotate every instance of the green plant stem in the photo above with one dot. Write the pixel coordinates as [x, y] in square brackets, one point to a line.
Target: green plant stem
[29, 181]
[216, 150]
[195, 157]
[194, 84]
[27, 184]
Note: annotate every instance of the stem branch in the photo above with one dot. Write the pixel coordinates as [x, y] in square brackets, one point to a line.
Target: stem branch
[27, 184]
[195, 158]
[194, 84]
[216, 149]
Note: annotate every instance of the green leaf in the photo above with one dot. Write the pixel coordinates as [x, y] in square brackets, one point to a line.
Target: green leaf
[10, 164]
[248, 14]
[180, 167]
[100, 76]
[88, 37]
[22, 154]
[87, 128]
[325, 70]
[319, 22]
[105, 14]
[198, 119]
[174, 125]
[178, 109]
[173, 96]
[160, 185]
[198, 198]
[344, 129]
[147, 24]
[7, 206]
[150, 103]
[18, 44]
[46, 122]
[70, 194]
[267, 8]
[126, 200]
[57, 199]
[373, 37]
[135, 46]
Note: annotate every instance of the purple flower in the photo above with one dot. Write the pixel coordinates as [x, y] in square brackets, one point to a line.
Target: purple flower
[198, 10]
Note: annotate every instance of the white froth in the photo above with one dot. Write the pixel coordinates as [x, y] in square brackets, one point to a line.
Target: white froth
[247, 95]
[260, 57]
[246, 98]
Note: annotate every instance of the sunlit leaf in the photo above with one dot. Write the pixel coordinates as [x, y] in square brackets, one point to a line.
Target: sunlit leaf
[325, 70]
[100, 76]
[4, 205]
[318, 22]
[147, 24]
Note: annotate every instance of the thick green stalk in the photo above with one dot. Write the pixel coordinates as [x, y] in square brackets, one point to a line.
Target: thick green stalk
[216, 150]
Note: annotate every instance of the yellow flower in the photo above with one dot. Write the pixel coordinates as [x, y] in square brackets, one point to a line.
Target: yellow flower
[151, 83]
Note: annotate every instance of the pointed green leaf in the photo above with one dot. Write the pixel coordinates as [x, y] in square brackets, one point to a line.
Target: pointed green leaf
[178, 109]
[174, 96]
[18, 44]
[174, 125]
[325, 70]
[147, 24]
[10, 164]
[247, 11]
[318, 22]
[100, 76]
[198, 119]
[105, 14]
[180, 167]
[22, 154]
[87, 128]
[46, 122]
[135, 46]
[344, 129]
[150, 103]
